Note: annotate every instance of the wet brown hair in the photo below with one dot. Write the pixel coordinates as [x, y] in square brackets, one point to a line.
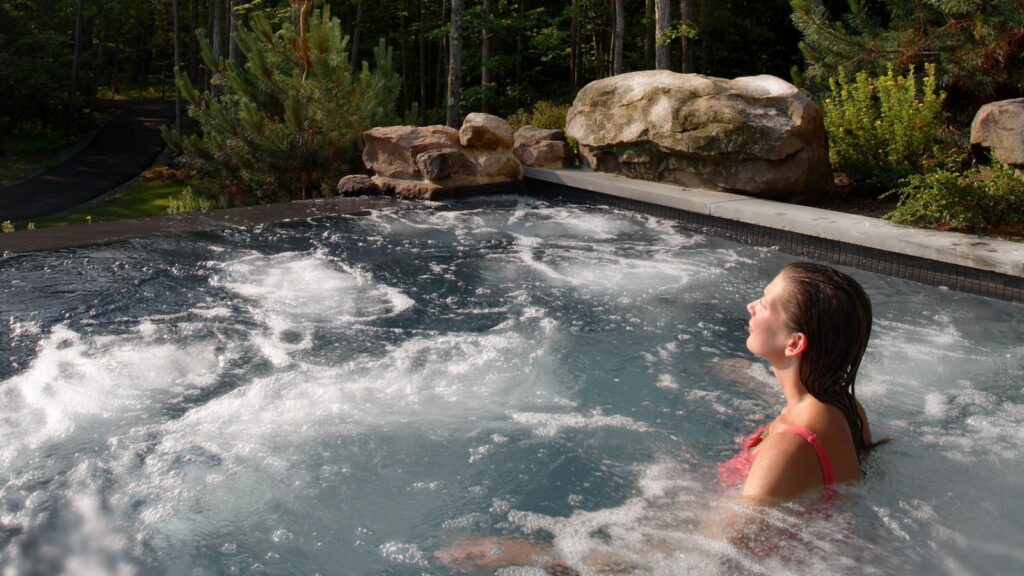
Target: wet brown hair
[833, 312]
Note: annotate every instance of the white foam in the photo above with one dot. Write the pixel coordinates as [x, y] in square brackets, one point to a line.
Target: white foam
[77, 381]
[311, 287]
[553, 424]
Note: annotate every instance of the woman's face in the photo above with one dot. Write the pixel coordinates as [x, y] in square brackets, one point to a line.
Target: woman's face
[768, 328]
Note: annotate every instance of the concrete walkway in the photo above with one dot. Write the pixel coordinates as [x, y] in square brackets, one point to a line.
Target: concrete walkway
[122, 149]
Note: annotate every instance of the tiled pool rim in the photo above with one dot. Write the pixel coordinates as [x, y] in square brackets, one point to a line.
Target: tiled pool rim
[973, 264]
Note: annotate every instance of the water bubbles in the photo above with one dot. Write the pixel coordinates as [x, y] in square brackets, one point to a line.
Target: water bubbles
[281, 536]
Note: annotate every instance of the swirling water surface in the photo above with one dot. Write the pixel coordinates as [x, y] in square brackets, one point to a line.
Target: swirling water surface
[349, 396]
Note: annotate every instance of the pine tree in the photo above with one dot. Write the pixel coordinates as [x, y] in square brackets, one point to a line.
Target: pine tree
[977, 45]
[288, 123]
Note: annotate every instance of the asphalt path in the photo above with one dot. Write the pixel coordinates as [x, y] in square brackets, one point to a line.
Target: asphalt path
[123, 148]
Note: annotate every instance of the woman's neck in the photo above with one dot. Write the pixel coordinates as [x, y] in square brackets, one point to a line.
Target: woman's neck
[793, 389]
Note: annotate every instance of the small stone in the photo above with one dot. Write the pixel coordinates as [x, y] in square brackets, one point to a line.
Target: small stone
[357, 185]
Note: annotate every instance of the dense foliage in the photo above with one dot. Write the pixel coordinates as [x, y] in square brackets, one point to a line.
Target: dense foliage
[977, 45]
[883, 129]
[288, 123]
[969, 200]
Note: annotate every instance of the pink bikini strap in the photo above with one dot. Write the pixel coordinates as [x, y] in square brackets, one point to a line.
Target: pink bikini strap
[828, 475]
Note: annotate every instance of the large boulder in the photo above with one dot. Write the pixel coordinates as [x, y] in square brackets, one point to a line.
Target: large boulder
[542, 147]
[998, 128]
[757, 135]
[485, 131]
[392, 150]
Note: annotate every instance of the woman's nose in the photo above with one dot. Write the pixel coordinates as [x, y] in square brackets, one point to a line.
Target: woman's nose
[750, 308]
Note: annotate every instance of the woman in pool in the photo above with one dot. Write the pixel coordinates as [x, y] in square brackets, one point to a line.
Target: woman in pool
[812, 325]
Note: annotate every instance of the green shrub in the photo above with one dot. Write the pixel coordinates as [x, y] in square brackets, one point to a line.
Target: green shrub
[6, 226]
[884, 129]
[969, 200]
[543, 114]
[288, 124]
[188, 201]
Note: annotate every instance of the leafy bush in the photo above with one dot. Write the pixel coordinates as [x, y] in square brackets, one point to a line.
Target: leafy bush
[6, 226]
[968, 200]
[188, 201]
[289, 123]
[543, 114]
[886, 128]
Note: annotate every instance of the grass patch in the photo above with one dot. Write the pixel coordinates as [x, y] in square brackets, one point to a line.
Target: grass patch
[151, 198]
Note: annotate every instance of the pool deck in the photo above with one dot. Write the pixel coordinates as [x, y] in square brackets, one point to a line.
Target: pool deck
[977, 252]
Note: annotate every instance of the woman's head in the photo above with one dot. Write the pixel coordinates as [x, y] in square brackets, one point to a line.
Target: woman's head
[833, 313]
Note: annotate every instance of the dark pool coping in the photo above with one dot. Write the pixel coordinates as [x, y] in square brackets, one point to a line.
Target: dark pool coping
[78, 235]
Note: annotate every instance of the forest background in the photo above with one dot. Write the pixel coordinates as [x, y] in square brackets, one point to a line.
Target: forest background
[58, 56]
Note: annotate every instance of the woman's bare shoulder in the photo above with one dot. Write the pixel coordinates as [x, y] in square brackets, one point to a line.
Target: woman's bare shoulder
[786, 466]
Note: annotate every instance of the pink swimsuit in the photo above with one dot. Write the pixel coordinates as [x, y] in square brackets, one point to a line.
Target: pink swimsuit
[735, 471]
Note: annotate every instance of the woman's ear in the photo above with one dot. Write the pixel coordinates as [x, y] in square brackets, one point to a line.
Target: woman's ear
[796, 345]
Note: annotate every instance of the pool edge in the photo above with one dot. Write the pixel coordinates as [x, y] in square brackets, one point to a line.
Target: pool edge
[973, 264]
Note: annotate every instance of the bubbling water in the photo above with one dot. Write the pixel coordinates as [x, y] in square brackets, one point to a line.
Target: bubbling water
[350, 396]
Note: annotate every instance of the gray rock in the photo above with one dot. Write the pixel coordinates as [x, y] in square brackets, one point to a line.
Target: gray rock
[542, 148]
[485, 131]
[357, 185]
[443, 162]
[492, 166]
[757, 135]
[998, 128]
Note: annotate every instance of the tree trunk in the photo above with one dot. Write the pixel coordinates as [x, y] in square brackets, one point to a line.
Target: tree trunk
[442, 64]
[100, 43]
[649, 33]
[574, 44]
[78, 48]
[422, 39]
[520, 42]
[193, 43]
[307, 63]
[177, 65]
[485, 52]
[455, 65]
[617, 38]
[218, 27]
[662, 16]
[685, 43]
[354, 46]
[234, 53]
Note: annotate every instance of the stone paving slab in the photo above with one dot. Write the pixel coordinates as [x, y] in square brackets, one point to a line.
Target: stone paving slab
[107, 232]
[977, 252]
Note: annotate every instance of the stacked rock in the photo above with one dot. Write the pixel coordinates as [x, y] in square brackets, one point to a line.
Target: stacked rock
[542, 148]
[436, 162]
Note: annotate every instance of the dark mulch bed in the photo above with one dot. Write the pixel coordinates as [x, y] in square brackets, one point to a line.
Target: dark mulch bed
[843, 199]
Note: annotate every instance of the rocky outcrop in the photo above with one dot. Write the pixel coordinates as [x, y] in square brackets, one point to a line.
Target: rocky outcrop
[998, 130]
[542, 148]
[434, 162]
[757, 135]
